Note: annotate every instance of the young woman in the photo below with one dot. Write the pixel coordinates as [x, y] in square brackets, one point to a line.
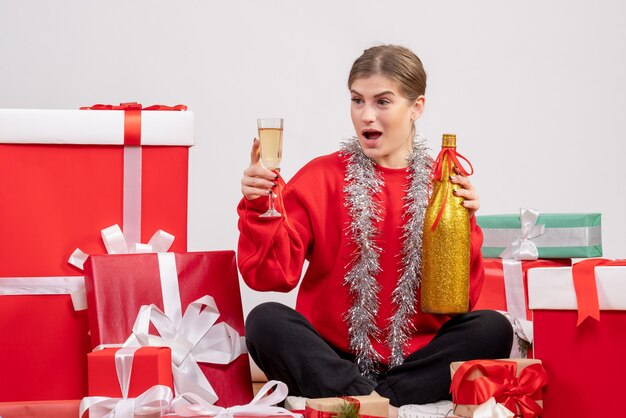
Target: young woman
[356, 216]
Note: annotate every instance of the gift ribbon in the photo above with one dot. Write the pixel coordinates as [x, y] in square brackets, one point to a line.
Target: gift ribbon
[437, 173]
[522, 248]
[155, 400]
[492, 409]
[115, 242]
[56, 285]
[585, 286]
[132, 162]
[498, 380]
[194, 337]
[514, 288]
[263, 404]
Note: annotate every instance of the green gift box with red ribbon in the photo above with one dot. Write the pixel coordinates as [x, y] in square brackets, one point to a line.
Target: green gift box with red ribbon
[579, 316]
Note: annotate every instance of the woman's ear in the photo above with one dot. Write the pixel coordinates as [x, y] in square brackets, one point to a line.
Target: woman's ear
[418, 107]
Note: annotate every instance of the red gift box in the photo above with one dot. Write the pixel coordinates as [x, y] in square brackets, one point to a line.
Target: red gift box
[585, 362]
[39, 409]
[42, 336]
[494, 293]
[150, 366]
[118, 285]
[63, 173]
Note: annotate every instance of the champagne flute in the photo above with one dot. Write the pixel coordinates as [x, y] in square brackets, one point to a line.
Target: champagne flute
[271, 138]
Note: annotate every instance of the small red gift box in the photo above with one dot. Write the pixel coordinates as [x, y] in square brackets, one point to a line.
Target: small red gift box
[150, 366]
[119, 285]
[585, 362]
[515, 383]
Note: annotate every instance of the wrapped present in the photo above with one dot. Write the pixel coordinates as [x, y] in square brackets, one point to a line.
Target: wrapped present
[39, 409]
[531, 235]
[70, 173]
[516, 384]
[136, 293]
[149, 366]
[42, 336]
[368, 406]
[135, 387]
[67, 174]
[505, 289]
[579, 316]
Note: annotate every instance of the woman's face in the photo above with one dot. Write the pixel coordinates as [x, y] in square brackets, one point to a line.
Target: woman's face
[383, 119]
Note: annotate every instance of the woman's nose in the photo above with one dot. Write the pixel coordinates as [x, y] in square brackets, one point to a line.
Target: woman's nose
[368, 114]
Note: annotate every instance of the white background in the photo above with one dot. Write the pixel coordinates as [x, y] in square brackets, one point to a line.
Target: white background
[535, 90]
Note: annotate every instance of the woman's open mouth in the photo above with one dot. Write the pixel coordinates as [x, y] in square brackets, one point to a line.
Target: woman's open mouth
[372, 135]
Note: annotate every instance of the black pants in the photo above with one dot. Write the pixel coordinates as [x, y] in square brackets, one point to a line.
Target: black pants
[287, 348]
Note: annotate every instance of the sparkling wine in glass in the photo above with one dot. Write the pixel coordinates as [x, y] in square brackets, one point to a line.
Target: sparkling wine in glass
[271, 138]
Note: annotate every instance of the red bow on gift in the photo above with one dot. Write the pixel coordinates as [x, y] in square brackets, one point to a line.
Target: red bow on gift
[584, 276]
[498, 380]
[132, 117]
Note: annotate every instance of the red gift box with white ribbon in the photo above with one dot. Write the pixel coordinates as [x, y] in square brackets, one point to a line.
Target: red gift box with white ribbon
[66, 174]
[579, 316]
[189, 302]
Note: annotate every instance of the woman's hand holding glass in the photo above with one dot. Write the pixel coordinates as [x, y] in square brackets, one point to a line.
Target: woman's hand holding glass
[257, 181]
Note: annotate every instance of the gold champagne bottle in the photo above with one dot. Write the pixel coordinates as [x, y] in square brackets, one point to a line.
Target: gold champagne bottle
[446, 239]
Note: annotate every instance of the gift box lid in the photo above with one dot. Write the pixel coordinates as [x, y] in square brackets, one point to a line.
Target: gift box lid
[553, 288]
[93, 127]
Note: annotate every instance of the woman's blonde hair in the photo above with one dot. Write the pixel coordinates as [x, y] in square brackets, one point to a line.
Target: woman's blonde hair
[396, 62]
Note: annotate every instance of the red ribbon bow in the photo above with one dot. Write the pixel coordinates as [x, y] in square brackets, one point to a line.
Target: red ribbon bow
[584, 276]
[437, 173]
[132, 117]
[498, 380]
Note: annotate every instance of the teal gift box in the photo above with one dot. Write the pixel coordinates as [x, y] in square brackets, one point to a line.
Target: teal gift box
[546, 235]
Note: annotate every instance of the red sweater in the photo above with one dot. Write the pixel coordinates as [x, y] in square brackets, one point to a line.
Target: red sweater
[271, 251]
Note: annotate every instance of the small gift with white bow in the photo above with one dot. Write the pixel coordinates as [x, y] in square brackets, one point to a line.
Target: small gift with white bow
[144, 367]
[120, 385]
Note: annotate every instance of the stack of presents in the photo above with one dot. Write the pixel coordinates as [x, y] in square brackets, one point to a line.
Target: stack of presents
[103, 310]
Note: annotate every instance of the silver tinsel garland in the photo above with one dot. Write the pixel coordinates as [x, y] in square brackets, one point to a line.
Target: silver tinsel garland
[363, 182]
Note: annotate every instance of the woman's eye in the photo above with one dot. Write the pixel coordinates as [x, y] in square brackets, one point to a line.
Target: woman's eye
[357, 100]
[383, 102]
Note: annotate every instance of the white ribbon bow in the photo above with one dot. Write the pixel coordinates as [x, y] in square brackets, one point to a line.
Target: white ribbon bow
[193, 338]
[116, 243]
[492, 409]
[191, 405]
[157, 399]
[523, 248]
